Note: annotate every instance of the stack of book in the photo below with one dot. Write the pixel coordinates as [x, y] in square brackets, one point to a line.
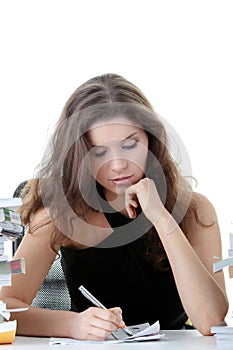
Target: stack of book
[10, 229]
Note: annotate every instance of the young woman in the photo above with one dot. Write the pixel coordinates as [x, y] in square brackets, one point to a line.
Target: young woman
[110, 199]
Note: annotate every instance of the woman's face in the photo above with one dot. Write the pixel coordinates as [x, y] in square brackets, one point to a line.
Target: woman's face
[118, 154]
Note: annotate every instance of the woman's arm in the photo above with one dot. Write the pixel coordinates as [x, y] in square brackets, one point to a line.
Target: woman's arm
[191, 258]
[93, 323]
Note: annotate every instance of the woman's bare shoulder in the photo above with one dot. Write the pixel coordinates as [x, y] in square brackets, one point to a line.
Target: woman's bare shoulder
[202, 222]
[200, 198]
[40, 219]
[204, 207]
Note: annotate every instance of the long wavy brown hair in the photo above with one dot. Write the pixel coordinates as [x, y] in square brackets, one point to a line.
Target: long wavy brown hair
[63, 167]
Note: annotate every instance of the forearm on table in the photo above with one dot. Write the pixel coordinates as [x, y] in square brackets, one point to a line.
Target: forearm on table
[203, 298]
[41, 322]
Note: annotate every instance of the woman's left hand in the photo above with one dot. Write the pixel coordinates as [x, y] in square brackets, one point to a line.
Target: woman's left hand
[145, 194]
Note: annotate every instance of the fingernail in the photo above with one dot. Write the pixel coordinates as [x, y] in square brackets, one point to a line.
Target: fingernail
[122, 324]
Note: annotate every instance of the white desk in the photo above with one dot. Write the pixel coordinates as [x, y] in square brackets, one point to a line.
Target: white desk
[174, 340]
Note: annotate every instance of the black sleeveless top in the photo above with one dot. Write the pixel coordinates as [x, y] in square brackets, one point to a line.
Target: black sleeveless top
[122, 276]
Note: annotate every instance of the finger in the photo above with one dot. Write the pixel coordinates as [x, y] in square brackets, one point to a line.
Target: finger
[113, 315]
[104, 325]
[96, 333]
[118, 312]
[130, 202]
[93, 324]
[131, 212]
[133, 203]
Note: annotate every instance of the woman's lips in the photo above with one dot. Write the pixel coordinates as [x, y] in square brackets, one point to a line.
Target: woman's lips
[122, 181]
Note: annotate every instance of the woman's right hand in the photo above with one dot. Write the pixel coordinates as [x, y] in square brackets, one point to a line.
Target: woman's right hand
[96, 323]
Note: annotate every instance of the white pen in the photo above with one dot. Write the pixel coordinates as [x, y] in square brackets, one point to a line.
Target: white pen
[97, 303]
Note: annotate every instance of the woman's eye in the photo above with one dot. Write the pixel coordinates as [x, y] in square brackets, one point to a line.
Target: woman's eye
[99, 153]
[129, 144]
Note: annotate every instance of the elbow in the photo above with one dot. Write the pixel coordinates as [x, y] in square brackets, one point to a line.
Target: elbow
[205, 330]
[206, 322]
[204, 326]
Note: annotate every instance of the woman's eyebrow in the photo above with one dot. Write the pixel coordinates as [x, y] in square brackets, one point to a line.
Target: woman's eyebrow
[126, 138]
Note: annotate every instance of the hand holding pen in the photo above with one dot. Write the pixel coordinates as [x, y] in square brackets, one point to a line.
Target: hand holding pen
[97, 303]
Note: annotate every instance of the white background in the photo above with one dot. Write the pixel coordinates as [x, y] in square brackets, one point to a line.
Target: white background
[179, 52]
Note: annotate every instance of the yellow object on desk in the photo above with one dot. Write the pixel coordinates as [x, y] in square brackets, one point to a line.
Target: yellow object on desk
[7, 332]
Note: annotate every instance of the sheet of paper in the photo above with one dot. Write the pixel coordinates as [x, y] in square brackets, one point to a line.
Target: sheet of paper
[141, 332]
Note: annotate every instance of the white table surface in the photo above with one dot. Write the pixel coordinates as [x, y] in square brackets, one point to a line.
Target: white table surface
[174, 340]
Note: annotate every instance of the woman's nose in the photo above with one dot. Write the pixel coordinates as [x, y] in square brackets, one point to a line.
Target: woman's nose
[118, 164]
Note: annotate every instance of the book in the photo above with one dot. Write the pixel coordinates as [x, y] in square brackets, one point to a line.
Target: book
[14, 266]
[7, 268]
[13, 231]
[10, 223]
[9, 215]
